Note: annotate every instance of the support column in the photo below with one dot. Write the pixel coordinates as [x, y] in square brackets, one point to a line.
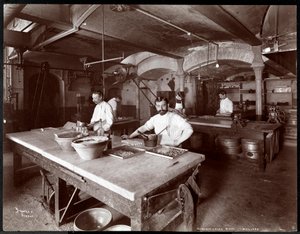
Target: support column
[258, 66]
[180, 74]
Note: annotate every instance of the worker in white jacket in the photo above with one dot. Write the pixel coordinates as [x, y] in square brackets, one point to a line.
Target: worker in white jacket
[172, 128]
[103, 114]
[226, 105]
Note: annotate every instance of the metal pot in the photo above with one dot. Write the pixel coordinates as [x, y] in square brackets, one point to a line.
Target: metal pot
[151, 140]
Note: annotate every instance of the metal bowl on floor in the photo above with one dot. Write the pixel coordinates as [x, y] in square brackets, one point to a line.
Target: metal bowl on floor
[119, 227]
[90, 147]
[94, 219]
[64, 139]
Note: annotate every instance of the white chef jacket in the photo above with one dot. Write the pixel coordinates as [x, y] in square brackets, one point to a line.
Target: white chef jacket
[178, 129]
[226, 105]
[104, 112]
[113, 103]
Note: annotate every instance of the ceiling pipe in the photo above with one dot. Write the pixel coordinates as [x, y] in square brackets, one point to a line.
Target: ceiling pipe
[75, 28]
[10, 12]
[173, 25]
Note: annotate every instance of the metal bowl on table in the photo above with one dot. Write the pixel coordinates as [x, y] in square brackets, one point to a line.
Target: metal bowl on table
[65, 139]
[90, 147]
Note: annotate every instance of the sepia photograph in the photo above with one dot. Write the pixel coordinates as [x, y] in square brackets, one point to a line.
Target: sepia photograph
[149, 117]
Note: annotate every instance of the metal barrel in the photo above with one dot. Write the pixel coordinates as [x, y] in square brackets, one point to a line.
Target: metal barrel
[229, 144]
[250, 148]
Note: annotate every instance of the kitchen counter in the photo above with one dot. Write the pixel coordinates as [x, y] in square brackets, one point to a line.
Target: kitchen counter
[268, 135]
[123, 184]
[211, 121]
[125, 125]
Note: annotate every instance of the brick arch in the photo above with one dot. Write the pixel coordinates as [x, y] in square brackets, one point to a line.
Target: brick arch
[147, 62]
[227, 51]
[157, 62]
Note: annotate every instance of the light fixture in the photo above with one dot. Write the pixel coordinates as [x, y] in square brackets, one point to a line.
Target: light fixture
[267, 50]
[217, 55]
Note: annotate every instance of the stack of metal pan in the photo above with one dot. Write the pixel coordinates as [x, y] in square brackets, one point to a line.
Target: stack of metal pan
[230, 145]
[250, 149]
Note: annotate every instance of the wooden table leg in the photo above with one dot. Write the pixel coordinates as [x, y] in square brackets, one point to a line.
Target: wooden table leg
[262, 156]
[138, 216]
[17, 165]
[60, 198]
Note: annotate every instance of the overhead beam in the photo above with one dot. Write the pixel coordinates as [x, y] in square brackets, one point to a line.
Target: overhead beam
[221, 17]
[48, 22]
[16, 39]
[75, 28]
[276, 66]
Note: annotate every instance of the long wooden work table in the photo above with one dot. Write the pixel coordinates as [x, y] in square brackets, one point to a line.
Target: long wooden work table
[136, 187]
[267, 134]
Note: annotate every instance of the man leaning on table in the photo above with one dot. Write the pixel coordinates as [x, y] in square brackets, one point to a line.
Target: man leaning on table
[172, 128]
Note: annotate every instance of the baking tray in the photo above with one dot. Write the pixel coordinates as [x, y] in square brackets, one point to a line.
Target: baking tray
[120, 152]
[167, 151]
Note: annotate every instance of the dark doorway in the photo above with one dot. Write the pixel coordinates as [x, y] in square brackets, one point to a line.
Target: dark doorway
[210, 97]
[41, 97]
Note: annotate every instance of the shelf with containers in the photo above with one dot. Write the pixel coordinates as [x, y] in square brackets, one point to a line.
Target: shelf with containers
[239, 92]
[281, 92]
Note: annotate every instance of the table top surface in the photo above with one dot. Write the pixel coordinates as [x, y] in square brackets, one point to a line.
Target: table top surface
[212, 121]
[131, 178]
[122, 120]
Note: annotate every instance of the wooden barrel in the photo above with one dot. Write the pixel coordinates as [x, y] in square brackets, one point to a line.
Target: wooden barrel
[250, 149]
[230, 145]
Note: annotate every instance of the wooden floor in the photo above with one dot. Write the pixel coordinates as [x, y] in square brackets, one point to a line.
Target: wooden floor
[235, 197]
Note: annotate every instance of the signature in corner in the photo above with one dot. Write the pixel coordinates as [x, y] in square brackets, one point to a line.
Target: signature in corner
[24, 213]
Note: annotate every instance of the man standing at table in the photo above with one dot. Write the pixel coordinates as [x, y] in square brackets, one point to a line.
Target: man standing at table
[113, 102]
[103, 113]
[171, 127]
[226, 105]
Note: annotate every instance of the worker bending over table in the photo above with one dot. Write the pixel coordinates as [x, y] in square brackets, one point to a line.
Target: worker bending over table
[170, 127]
